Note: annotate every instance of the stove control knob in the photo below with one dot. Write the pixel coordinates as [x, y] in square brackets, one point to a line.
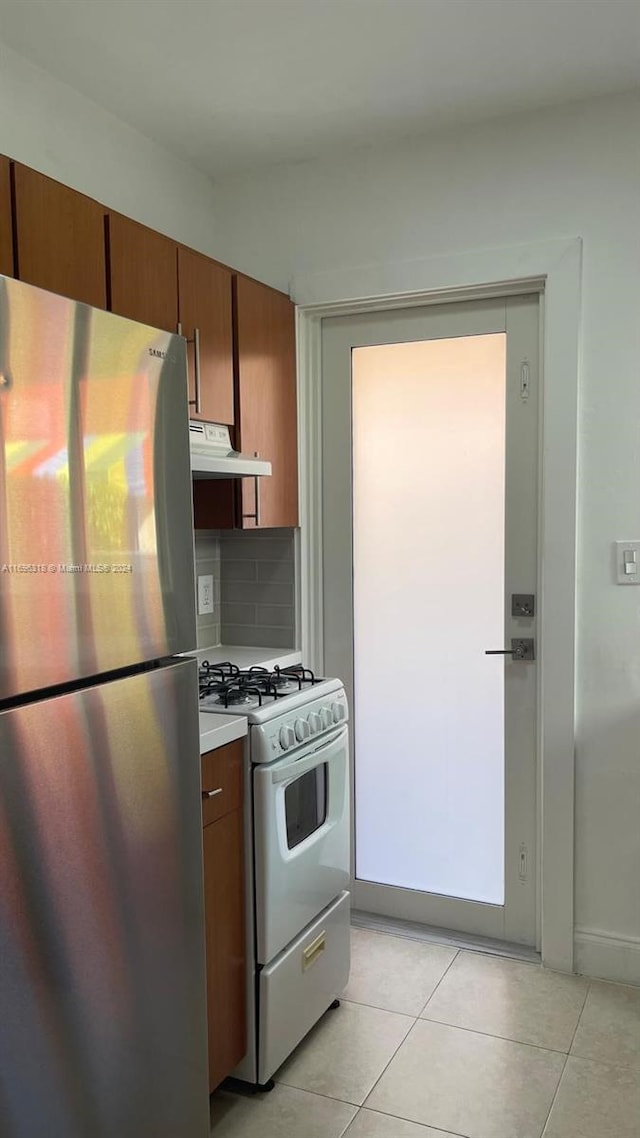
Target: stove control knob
[337, 711]
[315, 722]
[302, 730]
[287, 738]
[327, 718]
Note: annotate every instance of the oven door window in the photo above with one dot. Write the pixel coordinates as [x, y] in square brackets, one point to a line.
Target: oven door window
[305, 804]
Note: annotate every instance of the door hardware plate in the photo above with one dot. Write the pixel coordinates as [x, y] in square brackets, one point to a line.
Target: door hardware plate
[523, 648]
[523, 604]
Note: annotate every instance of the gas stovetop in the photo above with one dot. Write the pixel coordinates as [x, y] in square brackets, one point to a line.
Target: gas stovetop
[227, 688]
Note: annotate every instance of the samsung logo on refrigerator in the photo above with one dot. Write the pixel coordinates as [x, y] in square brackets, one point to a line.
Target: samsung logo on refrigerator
[157, 352]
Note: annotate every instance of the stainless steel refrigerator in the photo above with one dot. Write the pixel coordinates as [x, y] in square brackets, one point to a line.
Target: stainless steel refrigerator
[102, 969]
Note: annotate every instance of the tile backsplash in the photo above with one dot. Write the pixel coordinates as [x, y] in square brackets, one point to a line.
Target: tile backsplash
[208, 561]
[254, 587]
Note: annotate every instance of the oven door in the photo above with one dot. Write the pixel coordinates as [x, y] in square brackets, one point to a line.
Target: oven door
[301, 820]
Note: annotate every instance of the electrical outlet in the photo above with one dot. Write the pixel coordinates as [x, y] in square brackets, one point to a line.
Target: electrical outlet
[205, 594]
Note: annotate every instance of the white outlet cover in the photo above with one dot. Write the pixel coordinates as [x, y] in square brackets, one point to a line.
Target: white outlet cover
[205, 594]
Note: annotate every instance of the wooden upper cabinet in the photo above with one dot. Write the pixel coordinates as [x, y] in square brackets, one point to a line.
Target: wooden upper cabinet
[143, 273]
[59, 238]
[267, 404]
[204, 303]
[6, 225]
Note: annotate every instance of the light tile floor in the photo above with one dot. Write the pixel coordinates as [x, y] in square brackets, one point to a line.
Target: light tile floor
[430, 1042]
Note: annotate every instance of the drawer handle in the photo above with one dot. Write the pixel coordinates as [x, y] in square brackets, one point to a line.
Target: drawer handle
[311, 953]
[211, 793]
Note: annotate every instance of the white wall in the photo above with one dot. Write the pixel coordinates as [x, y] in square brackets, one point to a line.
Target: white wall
[569, 172]
[49, 126]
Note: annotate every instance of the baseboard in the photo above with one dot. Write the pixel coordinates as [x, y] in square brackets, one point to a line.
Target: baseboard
[607, 957]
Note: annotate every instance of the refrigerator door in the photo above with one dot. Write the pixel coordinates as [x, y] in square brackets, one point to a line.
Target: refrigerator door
[102, 967]
[96, 535]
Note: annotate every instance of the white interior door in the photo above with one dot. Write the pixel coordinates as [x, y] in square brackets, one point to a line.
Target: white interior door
[430, 493]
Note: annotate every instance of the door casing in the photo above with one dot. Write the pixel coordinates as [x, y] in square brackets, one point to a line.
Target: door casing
[554, 268]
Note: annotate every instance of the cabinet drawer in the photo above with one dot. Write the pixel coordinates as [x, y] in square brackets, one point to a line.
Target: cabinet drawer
[222, 773]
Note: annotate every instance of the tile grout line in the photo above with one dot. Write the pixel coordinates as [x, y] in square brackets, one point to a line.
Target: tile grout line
[388, 1064]
[555, 1095]
[320, 1094]
[445, 973]
[403, 1118]
[350, 1124]
[492, 1035]
[584, 1004]
[474, 1031]
[391, 1057]
[564, 1065]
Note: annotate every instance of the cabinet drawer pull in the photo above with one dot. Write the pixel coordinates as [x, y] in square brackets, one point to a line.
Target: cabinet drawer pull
[311, 953]
[211, 793]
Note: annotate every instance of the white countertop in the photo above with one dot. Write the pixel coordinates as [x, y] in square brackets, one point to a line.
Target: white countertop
[250, 657]
[216, 730]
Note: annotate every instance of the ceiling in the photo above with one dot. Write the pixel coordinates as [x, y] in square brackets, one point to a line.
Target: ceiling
[234, 85]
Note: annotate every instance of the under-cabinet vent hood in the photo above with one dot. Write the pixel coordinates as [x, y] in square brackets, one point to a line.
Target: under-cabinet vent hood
[212, 455]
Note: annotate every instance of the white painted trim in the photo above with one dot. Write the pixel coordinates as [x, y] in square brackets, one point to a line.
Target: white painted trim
[497, 272]
[310, 623]
[466, 276]
[609, 957]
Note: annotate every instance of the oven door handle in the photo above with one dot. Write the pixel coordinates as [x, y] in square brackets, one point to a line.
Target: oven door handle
[308, 762]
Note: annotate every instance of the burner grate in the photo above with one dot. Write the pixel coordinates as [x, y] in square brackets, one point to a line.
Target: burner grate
[236, 686]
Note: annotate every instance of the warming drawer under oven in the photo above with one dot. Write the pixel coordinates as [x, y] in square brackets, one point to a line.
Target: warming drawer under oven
[301, 827]
[300, 984]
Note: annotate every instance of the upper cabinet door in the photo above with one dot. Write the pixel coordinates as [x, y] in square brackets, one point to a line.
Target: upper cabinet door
[59, 238]
[143, 273]
[266, 363]
[6, 226]
[204, 302]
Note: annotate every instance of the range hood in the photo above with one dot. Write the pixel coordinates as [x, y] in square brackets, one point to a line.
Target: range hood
[212, 455]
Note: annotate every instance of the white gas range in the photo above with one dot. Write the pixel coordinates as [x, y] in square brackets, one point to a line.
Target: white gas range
[298, 824]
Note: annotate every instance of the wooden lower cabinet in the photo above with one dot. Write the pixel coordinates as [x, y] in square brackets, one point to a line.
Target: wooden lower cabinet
[225, 930]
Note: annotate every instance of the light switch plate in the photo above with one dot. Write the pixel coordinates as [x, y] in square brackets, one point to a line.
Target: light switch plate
[627, 562]
[205, 594]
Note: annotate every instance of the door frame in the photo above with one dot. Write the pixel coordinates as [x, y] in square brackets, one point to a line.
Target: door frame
[552, 268]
